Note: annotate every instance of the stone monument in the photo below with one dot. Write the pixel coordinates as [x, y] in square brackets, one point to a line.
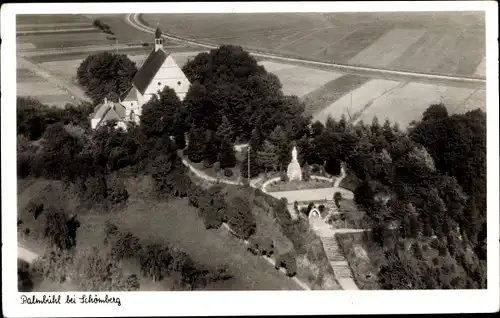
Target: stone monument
[294, 172]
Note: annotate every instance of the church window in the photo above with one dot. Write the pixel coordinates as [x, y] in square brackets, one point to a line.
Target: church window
[179, 83]
[159, 83]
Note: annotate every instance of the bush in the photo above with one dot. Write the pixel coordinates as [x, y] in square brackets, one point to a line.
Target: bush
[211, 208]
[284, 176]
[124, 245]
[207, 164]
[58, 230]
[196, 193]
[240, 217]
[24, 278]
[287, 261]
[116, 190]
[228, 172]
[261, 246]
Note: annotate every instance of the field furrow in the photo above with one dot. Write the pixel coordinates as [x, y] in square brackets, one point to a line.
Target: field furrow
[481, 69]
[472, 50]
[41, 19]
[427, 53]
[299, 80]
[475, 101]
[409, 102]
[327, 94]
[356, 100]
[388, 47]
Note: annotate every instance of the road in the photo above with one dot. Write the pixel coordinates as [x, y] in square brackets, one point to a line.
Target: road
[71, 89]
[134, 20]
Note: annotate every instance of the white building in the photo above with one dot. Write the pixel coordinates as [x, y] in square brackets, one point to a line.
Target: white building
[158, 71]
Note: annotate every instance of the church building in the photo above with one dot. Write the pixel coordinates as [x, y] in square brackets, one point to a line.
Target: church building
[158, 71]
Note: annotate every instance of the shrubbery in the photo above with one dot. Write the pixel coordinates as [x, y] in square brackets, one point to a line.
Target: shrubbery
[240, 217]
[102, 26]
[261, 246]
[287, 261]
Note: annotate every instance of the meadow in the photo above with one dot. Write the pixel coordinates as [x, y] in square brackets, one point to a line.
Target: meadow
[451, 43]
[166, 222]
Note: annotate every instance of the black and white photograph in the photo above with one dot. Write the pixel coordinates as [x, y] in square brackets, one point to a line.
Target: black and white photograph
[342, 150]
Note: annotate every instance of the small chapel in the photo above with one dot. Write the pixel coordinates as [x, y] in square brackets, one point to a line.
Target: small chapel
[158, 71]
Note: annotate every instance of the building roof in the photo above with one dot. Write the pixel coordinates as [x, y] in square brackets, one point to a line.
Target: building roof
[129, 95]
[108, 111]
[145, 75]
[158, 33]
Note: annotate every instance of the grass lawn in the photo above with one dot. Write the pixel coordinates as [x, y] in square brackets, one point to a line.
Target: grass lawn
[298, 185]
[176, 222]
[170, 222]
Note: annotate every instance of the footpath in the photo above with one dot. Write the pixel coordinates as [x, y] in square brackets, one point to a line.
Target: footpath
[333, 253]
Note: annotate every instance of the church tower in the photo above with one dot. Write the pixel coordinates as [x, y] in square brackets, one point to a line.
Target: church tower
[158, 39]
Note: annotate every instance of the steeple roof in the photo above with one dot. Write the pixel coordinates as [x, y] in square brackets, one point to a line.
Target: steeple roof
[158, 33]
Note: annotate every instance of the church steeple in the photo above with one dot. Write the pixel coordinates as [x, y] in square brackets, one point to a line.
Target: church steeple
[158, 39]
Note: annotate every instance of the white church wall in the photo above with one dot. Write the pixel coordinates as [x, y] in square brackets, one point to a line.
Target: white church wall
[171, 75]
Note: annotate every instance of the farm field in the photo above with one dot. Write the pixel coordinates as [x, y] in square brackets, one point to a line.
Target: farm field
[298, 80]
[406, 41]
[29, 84]
[40, 19]
[407, 103]
[64, 40]
[356, 100]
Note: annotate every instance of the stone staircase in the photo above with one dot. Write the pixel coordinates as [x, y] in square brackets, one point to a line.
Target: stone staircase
[338, 262]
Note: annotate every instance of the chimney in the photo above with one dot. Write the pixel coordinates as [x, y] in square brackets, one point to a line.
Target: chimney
[158, 39]
[105, 100]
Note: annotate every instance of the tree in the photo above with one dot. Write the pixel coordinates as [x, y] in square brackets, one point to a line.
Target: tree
[435, 112]
[155, 261]
[280, 140]
[104, 73]
[196, 147]
[337, 196]
[227, 157]
[99, 272]
[57, 231]
[333, 167]
[210, 150]
[306, 172]
[162, 115]
[240, 217]
[267, 157]
[225, 130]
[116, 190]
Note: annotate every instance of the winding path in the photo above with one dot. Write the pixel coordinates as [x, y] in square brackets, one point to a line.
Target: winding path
[25, 254]
[333, 253]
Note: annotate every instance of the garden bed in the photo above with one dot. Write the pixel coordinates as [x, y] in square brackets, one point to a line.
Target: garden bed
[298, 185]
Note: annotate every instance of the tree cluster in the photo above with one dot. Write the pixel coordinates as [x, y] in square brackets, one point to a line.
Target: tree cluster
[106, 75]
[230, 97]
[159, 261]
